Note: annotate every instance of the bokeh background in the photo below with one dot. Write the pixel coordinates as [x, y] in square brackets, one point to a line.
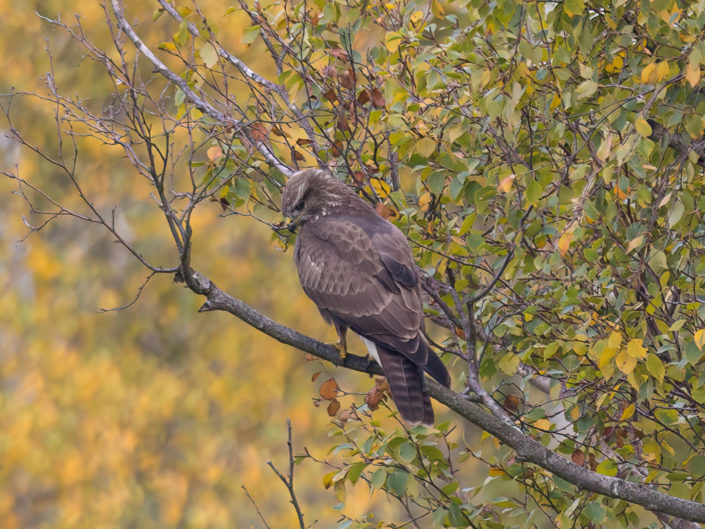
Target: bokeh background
[155, 415]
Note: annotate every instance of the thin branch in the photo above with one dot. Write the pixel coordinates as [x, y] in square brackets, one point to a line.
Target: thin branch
[289, 482]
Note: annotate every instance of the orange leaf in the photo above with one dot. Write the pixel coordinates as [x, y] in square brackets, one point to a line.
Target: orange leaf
[385, 211]
[214, 153]
[329, 389]
[506, 183]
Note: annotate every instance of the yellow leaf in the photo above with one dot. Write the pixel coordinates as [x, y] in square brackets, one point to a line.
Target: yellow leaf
[506, 183]
[628, 412]
[625, 362]
[381, 187]
[692, 74]
[424, 201]
[416, 17]
[648, 74]
[662, 71]
[700, 338]
[643, 127]
[564, 242]
[636, 349]
[542, 424]
[496, 471]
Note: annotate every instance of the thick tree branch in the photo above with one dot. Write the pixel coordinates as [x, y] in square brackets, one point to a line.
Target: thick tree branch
[526, 448]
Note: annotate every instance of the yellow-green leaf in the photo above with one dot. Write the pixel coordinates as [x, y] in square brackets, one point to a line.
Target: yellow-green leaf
[655, 367]
[643, 127]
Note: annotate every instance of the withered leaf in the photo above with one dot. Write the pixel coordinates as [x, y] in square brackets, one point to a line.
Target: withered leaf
[296, 155]
[377, 98]
[363, 97]
[376, 394]
[330, 95]
[303, 141]
[343, 123]
[338, 53]
[333, 407]
[329, 389]
[258, 132]
[347, 79]
[385, 211]
[315, 376]
[578, 457]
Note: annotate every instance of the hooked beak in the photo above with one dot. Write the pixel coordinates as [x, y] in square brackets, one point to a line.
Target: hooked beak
[292, 223]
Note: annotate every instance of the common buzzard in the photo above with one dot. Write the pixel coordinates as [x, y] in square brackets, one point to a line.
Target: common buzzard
[359, 271]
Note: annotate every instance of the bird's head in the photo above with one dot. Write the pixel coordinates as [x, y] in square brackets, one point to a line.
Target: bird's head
[312, 193]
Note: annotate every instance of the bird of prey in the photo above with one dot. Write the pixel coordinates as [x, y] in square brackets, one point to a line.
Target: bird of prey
[358, 269]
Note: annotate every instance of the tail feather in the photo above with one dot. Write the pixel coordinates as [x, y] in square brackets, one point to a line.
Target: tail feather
[407, 386]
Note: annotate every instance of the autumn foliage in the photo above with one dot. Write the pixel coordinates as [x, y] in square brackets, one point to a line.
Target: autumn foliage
[545, 161]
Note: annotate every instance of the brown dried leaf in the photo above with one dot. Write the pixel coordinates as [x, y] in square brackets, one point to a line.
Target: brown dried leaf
[348, 414]
[296, 155]
[343, 123]
[280, 132]
[338, 53]
[347, 79]
[258, 132]
[359, 177]
[224, 203]
[512, 402]
[385, 211]
[578, 457]
[330, 95]
[376, 394]
[377, 98]
[363, 97]
[337, 148]
[329, 389]
[592, 462]
[315, 375]
[303, 141]
[333, 407]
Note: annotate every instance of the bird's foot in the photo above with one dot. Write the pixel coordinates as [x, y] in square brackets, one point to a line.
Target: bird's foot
[342, 348]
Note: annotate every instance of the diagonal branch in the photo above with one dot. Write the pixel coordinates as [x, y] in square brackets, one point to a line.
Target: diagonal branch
[526, 448]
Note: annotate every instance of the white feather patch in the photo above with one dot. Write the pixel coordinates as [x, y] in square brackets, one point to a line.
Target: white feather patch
[371, 348]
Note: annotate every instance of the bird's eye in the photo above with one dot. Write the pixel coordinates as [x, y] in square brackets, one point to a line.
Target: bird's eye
[299, 205]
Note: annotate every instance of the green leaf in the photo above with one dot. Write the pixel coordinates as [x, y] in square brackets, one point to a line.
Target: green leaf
[407, 452]
[378, 478]
[533, 192]
[396, 482]
[696, 466]
[355, 471]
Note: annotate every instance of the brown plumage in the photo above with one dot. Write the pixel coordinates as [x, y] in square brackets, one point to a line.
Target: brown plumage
[358, 269]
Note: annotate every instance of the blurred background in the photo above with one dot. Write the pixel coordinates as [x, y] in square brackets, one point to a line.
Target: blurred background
[155, 415]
